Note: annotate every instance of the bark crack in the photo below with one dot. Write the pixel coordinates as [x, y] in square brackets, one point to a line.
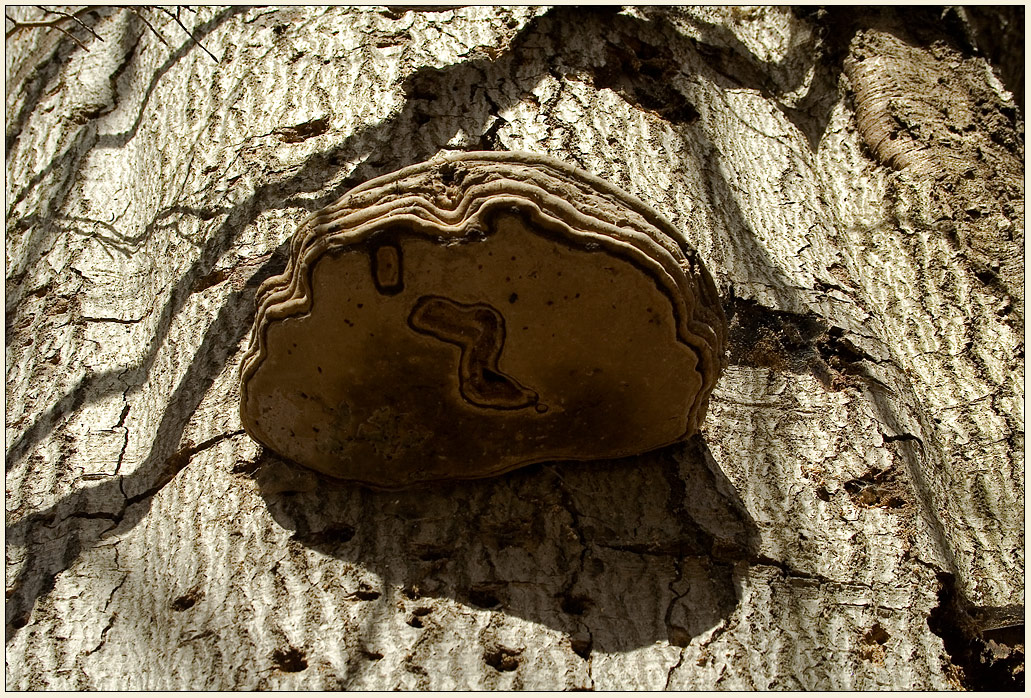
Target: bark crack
[791, 573]
[177, 462]
[114, 616]
[673, 669]
[675, 634]
[125, 440]
[570, 602]
[120, 321]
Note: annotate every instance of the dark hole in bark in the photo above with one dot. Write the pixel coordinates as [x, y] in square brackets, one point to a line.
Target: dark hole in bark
[290, 659]
[877, 634]
[985, 664]
[367, 594]
[187, 600]
[502, 659]
[582, 646]
[332, 535]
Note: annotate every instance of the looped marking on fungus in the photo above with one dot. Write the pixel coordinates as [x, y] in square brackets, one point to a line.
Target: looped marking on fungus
[479, 331]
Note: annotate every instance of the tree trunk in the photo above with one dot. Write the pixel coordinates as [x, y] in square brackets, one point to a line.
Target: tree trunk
[850, 517]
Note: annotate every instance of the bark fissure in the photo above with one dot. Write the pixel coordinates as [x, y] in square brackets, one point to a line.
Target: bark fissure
[989, 655]
[864, 218]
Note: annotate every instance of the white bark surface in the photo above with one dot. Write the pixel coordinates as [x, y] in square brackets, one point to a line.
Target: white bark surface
[856, 493]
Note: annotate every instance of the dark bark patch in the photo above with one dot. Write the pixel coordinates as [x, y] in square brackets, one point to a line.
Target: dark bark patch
[878, 489]
[418, 613]
[302, 132]
[582, 643]
[187, 600]
[366, 593]
[334, 535]
[985, 644]
[485, 596]
[641, 73]
[371, 655]
[574, 604]
[502, 658]
[762, 337]
[679, 637]
[876, 634]
[872, 646]
[432, 553]
[290, 660]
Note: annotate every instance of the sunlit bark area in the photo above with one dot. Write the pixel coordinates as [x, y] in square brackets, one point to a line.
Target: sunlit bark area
[849, 517]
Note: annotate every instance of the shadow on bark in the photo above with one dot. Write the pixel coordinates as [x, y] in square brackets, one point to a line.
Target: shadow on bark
[426, 122]
[467, 541]
[615, 554]
[87, 138]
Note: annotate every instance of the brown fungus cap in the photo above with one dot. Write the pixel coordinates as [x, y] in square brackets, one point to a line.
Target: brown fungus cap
[476, 313]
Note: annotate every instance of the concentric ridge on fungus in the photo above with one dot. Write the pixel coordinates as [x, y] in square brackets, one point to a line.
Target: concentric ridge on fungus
[476, 313]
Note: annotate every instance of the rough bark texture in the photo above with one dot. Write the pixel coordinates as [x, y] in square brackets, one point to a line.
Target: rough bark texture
[850, 518]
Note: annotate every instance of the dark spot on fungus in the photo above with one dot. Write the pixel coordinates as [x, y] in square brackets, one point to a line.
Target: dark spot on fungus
[387, 268]
[433, 383]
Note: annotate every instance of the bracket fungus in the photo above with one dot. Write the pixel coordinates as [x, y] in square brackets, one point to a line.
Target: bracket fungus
[476, 313]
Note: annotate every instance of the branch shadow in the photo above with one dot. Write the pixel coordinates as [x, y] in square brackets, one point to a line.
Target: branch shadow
[57, 535]
[615, 554]
[42, 74]
[70, 158]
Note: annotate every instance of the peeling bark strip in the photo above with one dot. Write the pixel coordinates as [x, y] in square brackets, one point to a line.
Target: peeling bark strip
[921, 107]
[933, 112]
[587, 327]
